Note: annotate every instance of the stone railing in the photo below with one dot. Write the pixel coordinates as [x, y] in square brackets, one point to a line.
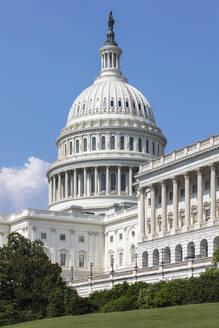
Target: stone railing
[181, 153]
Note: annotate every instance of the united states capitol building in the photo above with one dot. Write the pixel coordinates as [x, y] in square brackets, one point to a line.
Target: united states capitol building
[119, 208]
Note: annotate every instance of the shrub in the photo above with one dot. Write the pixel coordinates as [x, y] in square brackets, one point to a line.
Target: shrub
[123, 303]
[55, 307]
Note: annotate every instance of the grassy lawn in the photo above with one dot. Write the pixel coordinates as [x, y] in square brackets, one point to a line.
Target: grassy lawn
[186, 316]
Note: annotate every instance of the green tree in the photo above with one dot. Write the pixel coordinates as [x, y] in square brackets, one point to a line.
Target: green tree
[27, 276]
[216, 256]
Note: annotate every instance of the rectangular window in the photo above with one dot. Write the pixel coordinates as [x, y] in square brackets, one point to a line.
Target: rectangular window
[194, 188]
[182, 192]
[111, 238]
[159, 199]
[149, 202]
[62, 237]
[62, 259]
[170, 195]
[120, 259]
[81, 239]
[120, 236]
[207, 185]
[43, 235]
[81, 261]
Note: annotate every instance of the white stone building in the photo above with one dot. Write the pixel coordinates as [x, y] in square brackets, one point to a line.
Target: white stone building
[119, 209]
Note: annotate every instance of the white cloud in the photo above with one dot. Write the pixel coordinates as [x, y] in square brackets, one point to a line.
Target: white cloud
[25, 186]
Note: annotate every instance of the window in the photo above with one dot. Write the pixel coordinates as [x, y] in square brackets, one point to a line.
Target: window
[112, 103]
[92, 184]
[104, 102]
[43, 235]
[153, 145]
[133, 104]
[81, 261]
[62, 259]
[149, 201]
[159, 199]
[85, 144]
[120, 236]
[103, 142]
[70, 148]
[145, 111]
[103, 182]
[170, 195]
[147, 146]
[94, 143]
[62, 237]
[81, 239]
[119, 104]
[194, 188]
[120, 259]
[139, 107]
[111, 259]
[133, 234]
[77, 146]
[112, 142]
[207, 214]
[140, 145]
[132, 251]
[207, 185]
[123, 182]
[113, 182]
[127, 104]
[182, 192]
[131, 143]
[111, 238]
[122, 143]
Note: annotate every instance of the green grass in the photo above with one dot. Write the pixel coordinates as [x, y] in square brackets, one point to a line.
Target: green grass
[185, 316]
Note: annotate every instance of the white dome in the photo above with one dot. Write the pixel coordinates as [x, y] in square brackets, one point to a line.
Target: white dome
[111, 96]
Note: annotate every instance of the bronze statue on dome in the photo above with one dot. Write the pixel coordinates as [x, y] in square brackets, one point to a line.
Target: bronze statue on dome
[111, 21]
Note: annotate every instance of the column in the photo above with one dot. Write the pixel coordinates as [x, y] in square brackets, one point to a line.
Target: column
[71, 247]
[95, 180]
[164, 206]
[187, 200]
[54, 189]
[59, 186]
[75, 183]
[85, 182]
[107, 180]
[175, 203]
[79, 184]
[213, 193]
[88, 183]
[34, 233]
[71, 185]
[130, 181]
[66, 184]
[199, 196]
[119, 180]
[50, 190]
[153, 226]
[98, 182]
[141, 214]
[53, 248]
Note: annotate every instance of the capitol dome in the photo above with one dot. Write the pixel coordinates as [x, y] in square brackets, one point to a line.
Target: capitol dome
[110, 131]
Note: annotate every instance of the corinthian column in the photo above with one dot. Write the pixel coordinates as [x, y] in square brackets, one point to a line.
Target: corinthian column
[141, 214]
[175, 203]
[187, 200]
[75, 183]
[213, 193]
[85, 182]
[164, 205]
[66, 184]
[107, 180]
[59, 186]
[200, 196]
[95, 181]
[54, 189]
[119, 180]
[153, 225]
[130, 181]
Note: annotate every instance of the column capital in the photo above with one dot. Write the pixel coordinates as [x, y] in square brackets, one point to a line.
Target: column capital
[213, 167]
[187, 176]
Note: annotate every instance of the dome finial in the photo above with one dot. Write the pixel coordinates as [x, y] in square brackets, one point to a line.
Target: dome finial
[110, 34]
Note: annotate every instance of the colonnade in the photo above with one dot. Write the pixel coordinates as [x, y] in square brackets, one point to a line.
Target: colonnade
[88, 182]
[173, 184]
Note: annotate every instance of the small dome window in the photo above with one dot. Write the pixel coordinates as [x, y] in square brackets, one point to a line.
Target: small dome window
[133, 104]
[84, 106]
[145, 111]
[78, 108]
[119, 103]
[139, 107]
[112, 103]
[127, 104]
[104, 102]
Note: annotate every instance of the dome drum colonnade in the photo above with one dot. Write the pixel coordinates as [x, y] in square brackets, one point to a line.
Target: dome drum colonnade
[109, 132]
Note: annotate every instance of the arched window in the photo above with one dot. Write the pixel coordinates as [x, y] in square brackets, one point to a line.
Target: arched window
[191, 250]
[77, 146]
[145, 259]
[85, 144]
[147, 146]
[112, 103]
[62, 259]
[127, 104]
[103, 142]
[204, 248]
[94, 143]
[140, 145]
[215, 243]
[70, 148]
[166, 255]
[81, 261]
[132, 254]
[122, 143]
[92, 184]
[119, 104]
[113, 182]
[103, 182]
[153, 148]
[131, 143]
[112, 142]
[178, 253]
[123, 182]
[155, 257]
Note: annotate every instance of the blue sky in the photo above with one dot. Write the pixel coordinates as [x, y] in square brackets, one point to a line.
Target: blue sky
[49, 54]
